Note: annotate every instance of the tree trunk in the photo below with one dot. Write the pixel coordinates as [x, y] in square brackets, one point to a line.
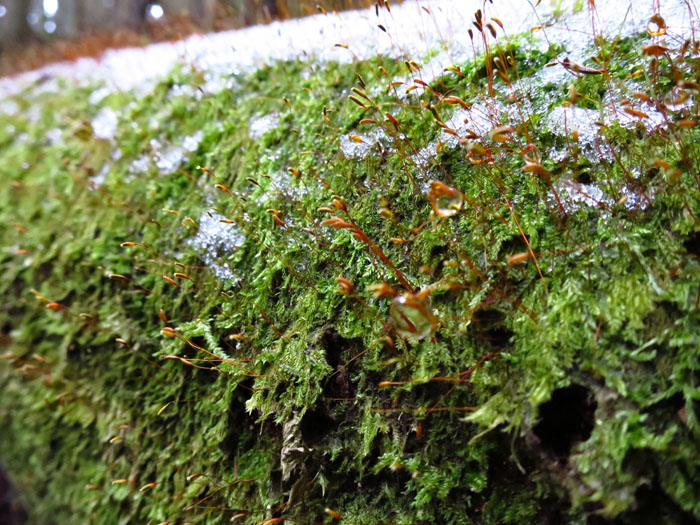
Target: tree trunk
[13, 26]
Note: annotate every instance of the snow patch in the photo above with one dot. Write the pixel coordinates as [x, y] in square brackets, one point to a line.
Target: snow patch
[214, 241]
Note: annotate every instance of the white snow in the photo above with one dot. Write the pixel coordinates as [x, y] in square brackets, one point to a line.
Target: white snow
[414, 29]
[104, 125]
[216, 240]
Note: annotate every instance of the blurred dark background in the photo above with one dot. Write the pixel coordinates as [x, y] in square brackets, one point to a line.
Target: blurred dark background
[33, 32]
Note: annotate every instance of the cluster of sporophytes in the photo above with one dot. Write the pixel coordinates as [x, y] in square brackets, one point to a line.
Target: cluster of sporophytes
[360, 291]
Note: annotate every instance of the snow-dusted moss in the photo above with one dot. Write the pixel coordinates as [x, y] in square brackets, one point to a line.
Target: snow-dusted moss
[179, 346]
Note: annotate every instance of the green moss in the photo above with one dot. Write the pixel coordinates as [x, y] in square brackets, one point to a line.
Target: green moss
[272, 398]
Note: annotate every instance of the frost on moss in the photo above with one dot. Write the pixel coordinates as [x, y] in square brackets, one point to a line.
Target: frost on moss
[178, 346]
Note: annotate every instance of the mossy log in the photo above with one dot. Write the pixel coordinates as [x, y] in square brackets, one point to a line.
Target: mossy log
[322, 294]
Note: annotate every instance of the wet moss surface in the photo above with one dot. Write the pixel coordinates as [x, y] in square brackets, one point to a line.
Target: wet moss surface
[198, 321]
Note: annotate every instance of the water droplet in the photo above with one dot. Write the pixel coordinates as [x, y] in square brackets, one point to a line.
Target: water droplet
[412, 315]
[478, 154]
[676, 98]
[532, 156]
[446, 201]
[656, 25]
[533, 160]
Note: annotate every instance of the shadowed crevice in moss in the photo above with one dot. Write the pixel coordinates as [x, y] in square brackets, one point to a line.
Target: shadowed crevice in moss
[566, 419]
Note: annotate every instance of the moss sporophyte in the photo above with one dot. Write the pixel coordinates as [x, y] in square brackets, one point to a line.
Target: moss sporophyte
[406, 278]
